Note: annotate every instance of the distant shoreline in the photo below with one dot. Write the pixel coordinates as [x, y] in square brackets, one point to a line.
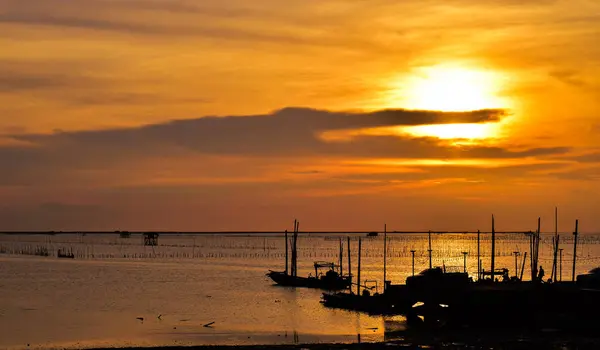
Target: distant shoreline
[264, 232]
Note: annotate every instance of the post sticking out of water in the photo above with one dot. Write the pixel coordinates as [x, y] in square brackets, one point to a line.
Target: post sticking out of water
[575, 248]
[384, 256]
[465, 261]
[493, 247]
[358, 272]
[286, 252]
[349, 264]
[341, 257]
[560, 276]
[523, 266]
[516, 264]
[413, 261]
[295, 249]
[535, 251]
[555, 260]
[429, 250]
[555, 246]
[478, 257]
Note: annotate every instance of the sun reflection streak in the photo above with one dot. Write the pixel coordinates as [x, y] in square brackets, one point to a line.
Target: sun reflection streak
[472, 162]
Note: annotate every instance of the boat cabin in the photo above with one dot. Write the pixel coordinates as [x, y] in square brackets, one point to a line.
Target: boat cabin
[331, 272]
[590, 280]
[437, 276]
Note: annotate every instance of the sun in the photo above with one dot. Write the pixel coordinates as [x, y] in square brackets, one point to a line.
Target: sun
[450, 89]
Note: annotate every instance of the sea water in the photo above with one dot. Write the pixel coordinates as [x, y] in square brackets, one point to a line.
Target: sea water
[118, 292]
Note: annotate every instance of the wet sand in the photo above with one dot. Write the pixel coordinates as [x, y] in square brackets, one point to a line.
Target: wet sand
[493, 339]
[516, 345]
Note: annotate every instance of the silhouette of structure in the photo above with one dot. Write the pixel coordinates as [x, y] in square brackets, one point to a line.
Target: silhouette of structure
[150, 239]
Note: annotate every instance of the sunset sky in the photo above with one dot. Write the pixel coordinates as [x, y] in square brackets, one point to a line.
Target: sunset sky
[346, 114]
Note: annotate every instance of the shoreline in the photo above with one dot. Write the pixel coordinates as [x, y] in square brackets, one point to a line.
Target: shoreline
[474, 339]
[512, 344]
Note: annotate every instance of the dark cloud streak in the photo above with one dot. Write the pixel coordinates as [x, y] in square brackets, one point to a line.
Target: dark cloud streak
[290, 131]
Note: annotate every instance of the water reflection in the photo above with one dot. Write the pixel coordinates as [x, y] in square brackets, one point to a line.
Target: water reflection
[194, 281]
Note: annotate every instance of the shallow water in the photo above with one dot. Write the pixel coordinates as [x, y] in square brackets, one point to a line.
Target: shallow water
[97, 298]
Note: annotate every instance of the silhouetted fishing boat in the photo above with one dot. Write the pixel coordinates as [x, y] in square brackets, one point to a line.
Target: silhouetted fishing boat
[533, 305]
[329, 280]
[562, 306]
[394, 301]
[397, 299]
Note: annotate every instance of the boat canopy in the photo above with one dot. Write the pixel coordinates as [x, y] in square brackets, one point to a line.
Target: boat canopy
[322, 264]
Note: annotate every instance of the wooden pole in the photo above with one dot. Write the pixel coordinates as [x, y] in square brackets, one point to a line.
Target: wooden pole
[429, 250]
[560, 276]
[535, 251]
[413, 261]
[286, 252]
[537, 246]
[349, 264]
[493, 248]
[555, 247]
[478, 256]
[295, 251]
[575, 248]
[516, 264]
[384, 256]
[531, 256]
[481, 267]
[341, 257]
[358, 272]
[465, 262]
[523, 266]
[556, 259]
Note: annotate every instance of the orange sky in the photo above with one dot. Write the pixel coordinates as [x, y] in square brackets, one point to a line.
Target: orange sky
[233, 115]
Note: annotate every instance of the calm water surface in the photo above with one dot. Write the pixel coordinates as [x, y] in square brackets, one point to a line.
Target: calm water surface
[97, 298]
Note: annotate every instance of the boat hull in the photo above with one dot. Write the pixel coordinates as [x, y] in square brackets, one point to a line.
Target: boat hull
[396, 300]
[377, 304]
[522, 305]
[284, 279]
